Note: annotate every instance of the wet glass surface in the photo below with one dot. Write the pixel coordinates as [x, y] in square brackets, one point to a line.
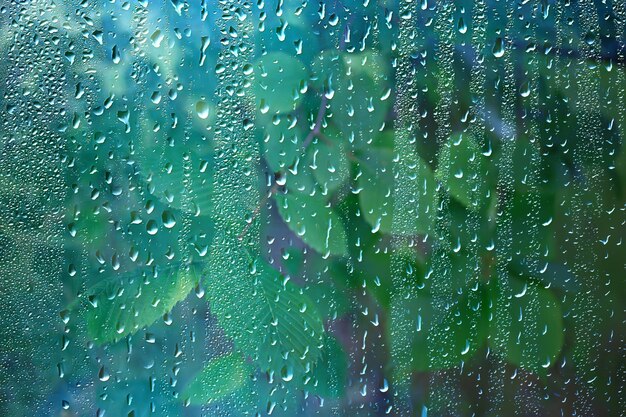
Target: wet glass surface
[297, 208]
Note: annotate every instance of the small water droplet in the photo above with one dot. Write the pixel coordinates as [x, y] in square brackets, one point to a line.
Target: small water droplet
[103, 375]
[498, 48]
[286, 373]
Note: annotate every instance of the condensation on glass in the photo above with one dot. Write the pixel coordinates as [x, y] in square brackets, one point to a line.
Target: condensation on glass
[299, 208]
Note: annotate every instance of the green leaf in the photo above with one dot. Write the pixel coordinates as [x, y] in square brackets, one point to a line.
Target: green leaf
[376, 186]
[528, 325]
[441, 338]
[300, 179]
[358, 86]
[326, 68]
[327, 286]
[328, 160]
[175, 172]
[276, 321]
[370, 62]
[330, 375]
[281, 140]
[278, 80]
[314, 221]
[464, 170]
[416, 189]
[124, 305]
[358, 107]
[458, 332]
[221, 377]
[531, 217]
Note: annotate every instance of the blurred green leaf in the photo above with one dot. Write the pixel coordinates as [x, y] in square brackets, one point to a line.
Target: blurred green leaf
[464, 171]
[550, 274]
[374, 266]
[358, 108]
[415, 191]
[327, 286]
[454, 335]
[528, 325]
[370, 62]
[359, 88]
[531, 217]
[526, 157]
[330, 381]
[378, 186]
[460, 270]
[300, 179]
[124, 305]
[314, 221]
[442, 338]
[222, 376]
[292, 261]
[328, 157]
[468, 230]
[281, 140]
[277, 325]
[326, 68]
[178, 172]
[279, 77]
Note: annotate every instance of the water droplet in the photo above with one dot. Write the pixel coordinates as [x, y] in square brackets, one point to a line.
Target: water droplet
[115, 55]
[286, 373]
[168, 218]
[202, 109]
[461, 26]
[157, 38]
[103, 375]
[498, 48]
[152, 227]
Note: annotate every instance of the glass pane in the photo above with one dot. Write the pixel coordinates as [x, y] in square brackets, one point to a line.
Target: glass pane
[297, 208]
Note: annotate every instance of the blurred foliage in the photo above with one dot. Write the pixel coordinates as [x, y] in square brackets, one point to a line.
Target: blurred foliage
[335, 208]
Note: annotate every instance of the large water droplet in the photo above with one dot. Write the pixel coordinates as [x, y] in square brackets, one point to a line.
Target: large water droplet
[151, 227]
[168, 218]
[202, 109]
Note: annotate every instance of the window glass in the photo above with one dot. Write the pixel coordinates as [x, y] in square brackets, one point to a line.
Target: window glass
[312, 208]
